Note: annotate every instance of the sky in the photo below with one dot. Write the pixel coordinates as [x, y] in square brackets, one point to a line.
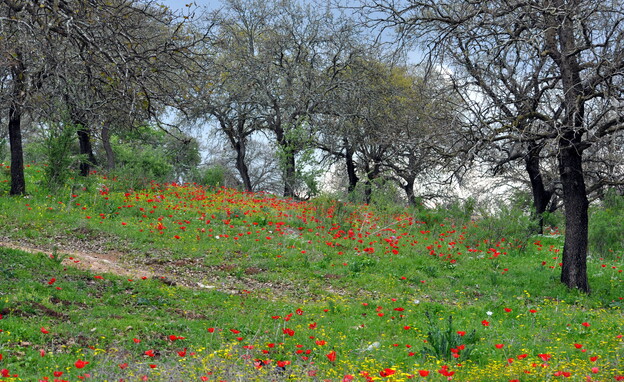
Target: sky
[414, 56]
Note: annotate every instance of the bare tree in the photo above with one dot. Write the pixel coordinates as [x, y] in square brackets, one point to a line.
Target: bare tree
[229, 92]
[577, 47]
[276, 64]
[102, 55]
[388, 123]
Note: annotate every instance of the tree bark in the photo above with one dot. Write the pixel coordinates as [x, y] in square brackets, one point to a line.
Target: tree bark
[541, 196]
[18, 181]
[353, 179]
[289, 171]
[84, 140]
[574, 262]
[371, 175]
[241, 166]
[110, 155]
[409, 191]
[288, 162]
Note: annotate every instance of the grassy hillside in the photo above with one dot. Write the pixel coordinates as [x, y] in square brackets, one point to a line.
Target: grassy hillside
[255, 287]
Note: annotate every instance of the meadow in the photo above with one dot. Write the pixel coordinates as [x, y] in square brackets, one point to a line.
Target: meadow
[250, 286]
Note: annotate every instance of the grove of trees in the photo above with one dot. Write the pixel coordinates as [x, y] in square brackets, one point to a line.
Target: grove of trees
[544, 79]
[292, 91]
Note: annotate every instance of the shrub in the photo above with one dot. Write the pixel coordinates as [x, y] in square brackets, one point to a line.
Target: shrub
[138, 166]
[210, 176]
[511, 223]
[57, 148]
[4, 150]
[606, 231]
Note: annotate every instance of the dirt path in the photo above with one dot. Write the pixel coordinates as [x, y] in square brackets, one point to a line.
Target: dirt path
[92, 255]
[109, 262]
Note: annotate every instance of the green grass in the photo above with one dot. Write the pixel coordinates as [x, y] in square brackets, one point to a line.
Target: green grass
[340, 278]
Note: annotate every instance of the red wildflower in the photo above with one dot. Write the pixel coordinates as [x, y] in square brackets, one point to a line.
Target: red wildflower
[387, 372]
[565, 374]
[288, 331]
[80, 364]
[445, 372]
[485, 323]
[331, 356]
[423, 373]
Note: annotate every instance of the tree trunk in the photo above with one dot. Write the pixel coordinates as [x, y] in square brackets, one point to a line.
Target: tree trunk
[288, 163]
[290, 177]
[409, 191]
[371, 175]
[110, 155]
[541, 197]
[353, 179]
[241, 166]
[574, 268]
[368, 184]
[570, 156]
[18, 181]
[84, 139]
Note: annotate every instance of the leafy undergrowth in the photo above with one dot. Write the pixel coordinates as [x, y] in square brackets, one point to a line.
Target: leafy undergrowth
[284, 290]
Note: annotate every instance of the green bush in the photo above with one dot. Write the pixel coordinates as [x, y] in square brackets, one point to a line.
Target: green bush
[4, 150]
[509, 222]
[138, 166]
[456, 213]
[57, 147]
[210, 176]
[606, 231]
